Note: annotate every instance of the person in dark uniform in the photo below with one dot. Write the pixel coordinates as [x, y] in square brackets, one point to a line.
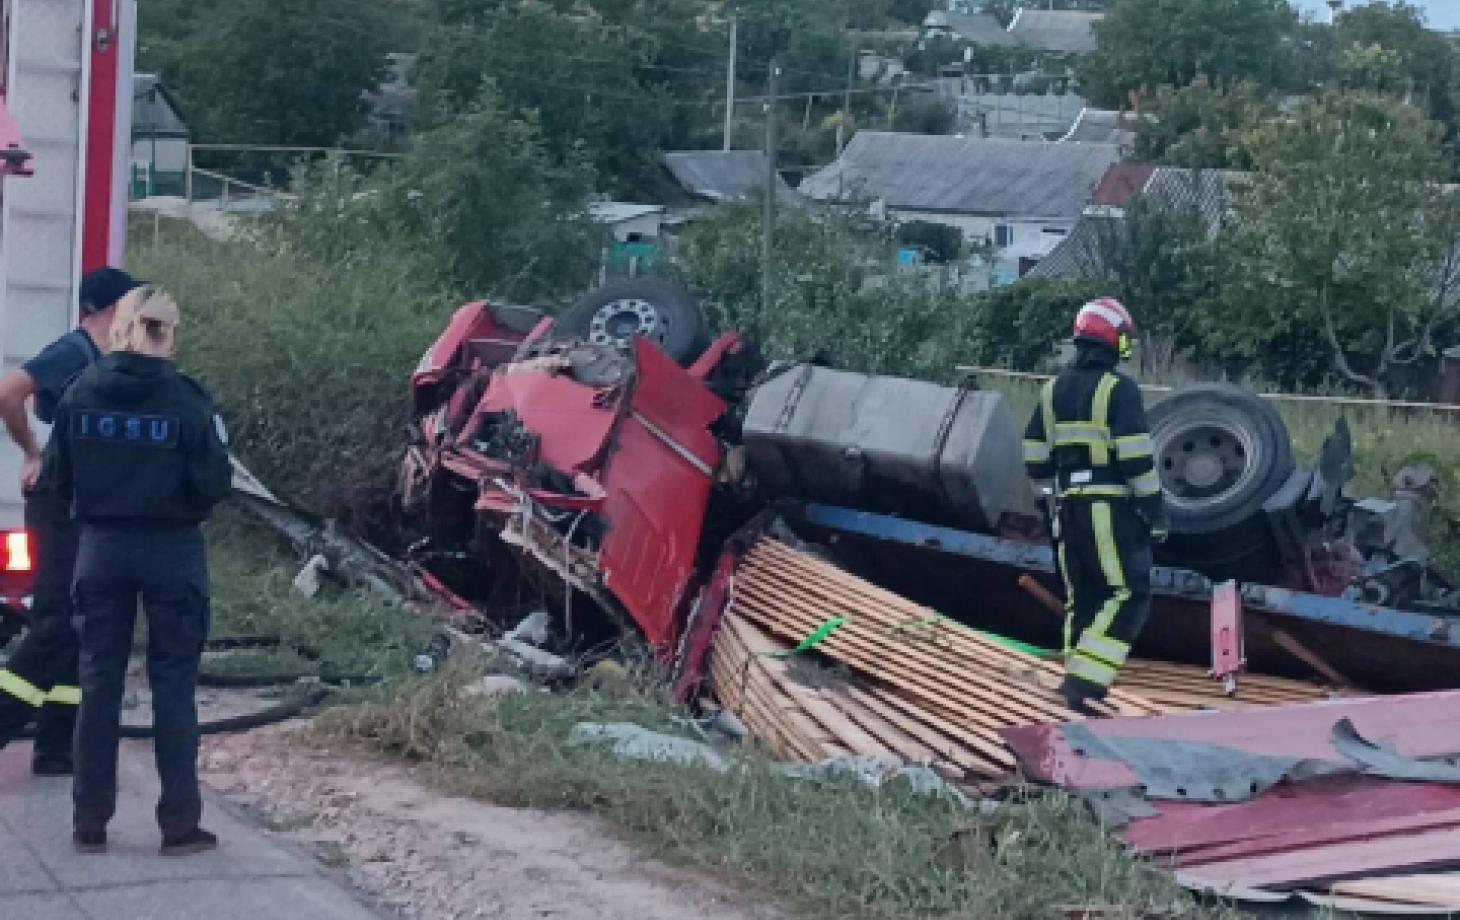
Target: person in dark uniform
[1089, 443]
[39, 682]
[143, 457]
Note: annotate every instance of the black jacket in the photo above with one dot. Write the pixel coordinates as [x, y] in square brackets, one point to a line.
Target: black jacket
[136, 441]
[1098, 443]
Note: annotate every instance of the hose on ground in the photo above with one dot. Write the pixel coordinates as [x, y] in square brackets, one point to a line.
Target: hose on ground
[280, 712]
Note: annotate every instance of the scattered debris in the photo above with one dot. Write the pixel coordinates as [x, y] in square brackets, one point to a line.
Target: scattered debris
[307, 582]
[638, 743]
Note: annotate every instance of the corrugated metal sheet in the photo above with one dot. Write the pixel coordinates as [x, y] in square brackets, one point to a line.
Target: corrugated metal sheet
[979, 28]
[1029, 179]
[1101, 126]
[1056, 30]
[721, 175]
[1210, 192]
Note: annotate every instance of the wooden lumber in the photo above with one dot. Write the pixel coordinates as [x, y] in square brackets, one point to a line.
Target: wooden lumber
[917, 686]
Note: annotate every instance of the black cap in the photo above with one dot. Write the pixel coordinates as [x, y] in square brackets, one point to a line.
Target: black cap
[104, 287]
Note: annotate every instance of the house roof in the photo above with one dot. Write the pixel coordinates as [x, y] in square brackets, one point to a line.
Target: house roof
[617, 212]
[1120, 183]
[1055, 30]
[993, 176]
[978, 28]
[154, 112]
[1101, 126]
[1209, 191]
[722, 175]
[1075, 255]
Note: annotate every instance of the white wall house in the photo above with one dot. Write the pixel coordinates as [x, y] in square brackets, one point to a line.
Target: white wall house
[1021, 197]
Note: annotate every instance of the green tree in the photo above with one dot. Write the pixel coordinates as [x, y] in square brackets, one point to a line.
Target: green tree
[1021, 325]
[1339, 231]
[1145, 44]
[1199, 126]
[1158, 260]
[619, 79]
[479, 198]
[1386, 47]
[271, 71]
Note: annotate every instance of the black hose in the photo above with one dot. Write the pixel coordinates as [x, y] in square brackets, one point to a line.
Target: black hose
[244, 681]
[274, 714]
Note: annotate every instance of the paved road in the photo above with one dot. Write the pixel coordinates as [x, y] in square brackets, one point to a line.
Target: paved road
[248, 878]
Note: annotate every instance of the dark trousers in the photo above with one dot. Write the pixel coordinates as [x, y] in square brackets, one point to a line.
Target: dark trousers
[40, 681]
[167, 569]
[1103, 549]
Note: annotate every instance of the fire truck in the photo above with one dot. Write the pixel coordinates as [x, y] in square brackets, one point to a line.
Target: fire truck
[65, 139]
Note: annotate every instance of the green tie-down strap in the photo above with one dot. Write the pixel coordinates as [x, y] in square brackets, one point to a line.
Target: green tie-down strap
[817, 636]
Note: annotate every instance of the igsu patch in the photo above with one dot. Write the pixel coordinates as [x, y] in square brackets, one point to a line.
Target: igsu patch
[129, 428]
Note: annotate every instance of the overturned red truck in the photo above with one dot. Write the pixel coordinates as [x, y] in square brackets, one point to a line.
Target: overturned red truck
[618, 452]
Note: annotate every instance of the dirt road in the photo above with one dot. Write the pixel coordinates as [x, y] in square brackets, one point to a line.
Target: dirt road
[435, 857]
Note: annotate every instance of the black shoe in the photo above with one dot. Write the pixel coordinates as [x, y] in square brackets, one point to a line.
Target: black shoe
[196, 840]
[89, 841]
[51, 766]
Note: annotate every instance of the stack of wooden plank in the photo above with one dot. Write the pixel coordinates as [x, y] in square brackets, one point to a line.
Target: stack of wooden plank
[915, 685]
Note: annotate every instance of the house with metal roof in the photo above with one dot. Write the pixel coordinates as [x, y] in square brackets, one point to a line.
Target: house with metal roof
[718, 176]
[974, 28]
[1069, 31]
[160, 139]
[1210, 192]
[1022, 197]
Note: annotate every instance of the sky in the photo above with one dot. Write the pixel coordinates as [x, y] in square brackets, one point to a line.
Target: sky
[1441, 14]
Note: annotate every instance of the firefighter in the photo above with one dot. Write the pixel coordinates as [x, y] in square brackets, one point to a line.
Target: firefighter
[143, 458]
[1089, 447]
[39, 681]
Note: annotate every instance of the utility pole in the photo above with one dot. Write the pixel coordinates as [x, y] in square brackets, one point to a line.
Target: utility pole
[769, 220]
[730, 73]
[841, 129]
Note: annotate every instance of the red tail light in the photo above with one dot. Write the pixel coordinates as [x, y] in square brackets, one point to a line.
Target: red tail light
[17, 551]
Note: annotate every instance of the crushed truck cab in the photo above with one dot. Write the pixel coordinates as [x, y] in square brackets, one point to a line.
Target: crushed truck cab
[594, 461]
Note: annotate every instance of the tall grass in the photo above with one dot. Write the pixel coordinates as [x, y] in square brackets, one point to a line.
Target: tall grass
[309, 360]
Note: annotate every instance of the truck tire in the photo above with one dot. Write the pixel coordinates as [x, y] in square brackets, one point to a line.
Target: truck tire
[1220, 452]
[663, 313]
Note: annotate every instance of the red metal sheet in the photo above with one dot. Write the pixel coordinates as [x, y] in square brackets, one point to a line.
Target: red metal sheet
[1324, 803]
[1431, 849]
[574, 430]
[1417, 725]
[1318, 836]
[658, 480]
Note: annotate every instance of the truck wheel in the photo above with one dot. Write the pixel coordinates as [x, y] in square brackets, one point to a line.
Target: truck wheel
[1221, 452]
[661, 312]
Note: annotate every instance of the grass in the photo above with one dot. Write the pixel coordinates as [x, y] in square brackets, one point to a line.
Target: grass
[352, 632]
[823, 850]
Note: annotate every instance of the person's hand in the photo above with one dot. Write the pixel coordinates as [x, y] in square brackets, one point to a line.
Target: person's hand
[30, 471]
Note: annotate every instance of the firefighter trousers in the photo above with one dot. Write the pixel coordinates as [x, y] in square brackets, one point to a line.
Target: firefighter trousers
[39, 682]
[166, 567]
[1103, 550]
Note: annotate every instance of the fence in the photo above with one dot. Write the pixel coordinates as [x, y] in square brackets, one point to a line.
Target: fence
[976, 371]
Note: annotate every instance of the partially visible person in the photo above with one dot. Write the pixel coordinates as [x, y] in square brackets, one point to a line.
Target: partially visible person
[40, 681]
[143, 458]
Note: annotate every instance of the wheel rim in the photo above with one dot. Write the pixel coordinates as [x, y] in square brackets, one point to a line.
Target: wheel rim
[1203, 461]
[618, 321]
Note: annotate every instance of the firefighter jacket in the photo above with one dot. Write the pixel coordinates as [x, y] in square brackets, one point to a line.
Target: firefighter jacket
[1089, 435]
